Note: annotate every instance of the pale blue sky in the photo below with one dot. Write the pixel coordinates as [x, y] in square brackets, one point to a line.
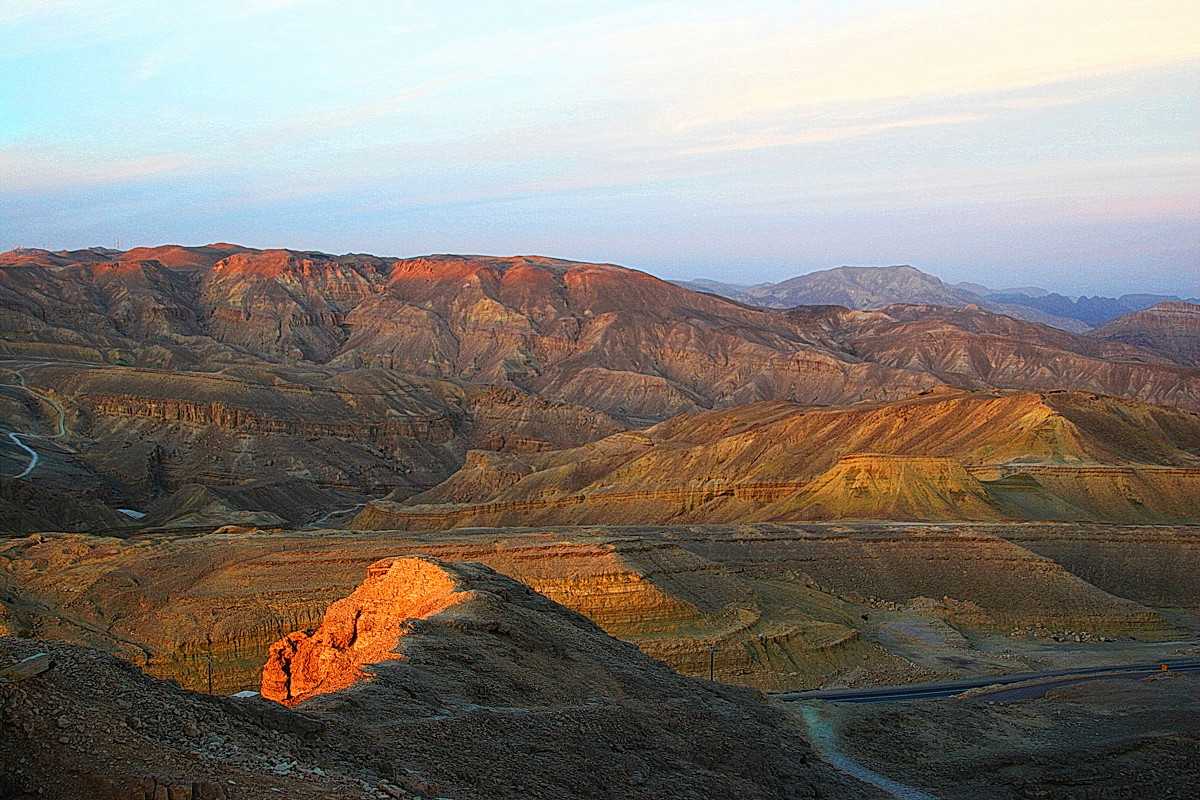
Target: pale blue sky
[1010, 142]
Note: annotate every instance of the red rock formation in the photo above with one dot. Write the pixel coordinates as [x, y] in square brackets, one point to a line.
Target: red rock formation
[360, 630]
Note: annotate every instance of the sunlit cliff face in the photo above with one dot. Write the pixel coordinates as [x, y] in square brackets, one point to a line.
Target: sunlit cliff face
[364, 628]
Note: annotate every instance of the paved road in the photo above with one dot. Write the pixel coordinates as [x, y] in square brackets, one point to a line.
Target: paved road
[929, 691]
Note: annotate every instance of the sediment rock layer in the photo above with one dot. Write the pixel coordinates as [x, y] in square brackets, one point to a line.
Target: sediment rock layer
[783, 603]
[1171, 330]
[500, 672]
[219, 365]
[138, 434]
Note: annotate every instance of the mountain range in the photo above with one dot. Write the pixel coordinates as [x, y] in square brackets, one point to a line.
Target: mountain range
[201, 384]
[479, 524]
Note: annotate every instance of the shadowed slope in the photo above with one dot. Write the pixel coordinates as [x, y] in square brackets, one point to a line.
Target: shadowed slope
[479, 689]
[783, 603]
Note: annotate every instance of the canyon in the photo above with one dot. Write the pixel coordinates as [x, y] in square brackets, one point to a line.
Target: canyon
[944, 455]
[787, 605]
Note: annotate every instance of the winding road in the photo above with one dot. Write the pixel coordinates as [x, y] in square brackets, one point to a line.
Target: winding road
[16, 437]
[1008, 687]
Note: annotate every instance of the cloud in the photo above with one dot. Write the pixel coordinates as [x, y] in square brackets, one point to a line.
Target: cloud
[347, 116]
[39, 168]
[746, 68]
[829, 134]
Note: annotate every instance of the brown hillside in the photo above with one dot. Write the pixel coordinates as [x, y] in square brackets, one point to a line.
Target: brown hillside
[1171, 330]
[374, 376]
[762, 460]
[494, 670]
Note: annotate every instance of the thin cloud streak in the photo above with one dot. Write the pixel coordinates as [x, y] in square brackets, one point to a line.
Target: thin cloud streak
[831, 134]
[347, 116]
[947, 49]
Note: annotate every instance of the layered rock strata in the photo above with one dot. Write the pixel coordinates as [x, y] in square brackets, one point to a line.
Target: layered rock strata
[783, 603]
[454, 649]
[1171, 330]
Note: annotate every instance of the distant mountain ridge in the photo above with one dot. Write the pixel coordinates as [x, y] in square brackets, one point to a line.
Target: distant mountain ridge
[181, 368]
[1170, 329]
[867, 288]
[1094, 311]
[863, 288]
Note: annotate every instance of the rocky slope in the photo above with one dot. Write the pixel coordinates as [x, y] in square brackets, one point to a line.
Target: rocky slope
[1107, 738]
[1171, 330]
[137, 435]
[974, 348]
[596, 335]
[1058, 455]
[27, 507]
[221, 365]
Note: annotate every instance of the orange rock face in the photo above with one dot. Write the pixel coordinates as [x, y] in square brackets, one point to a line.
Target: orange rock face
[360, 630]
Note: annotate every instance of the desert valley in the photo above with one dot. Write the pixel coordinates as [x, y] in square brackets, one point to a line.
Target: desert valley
[470, 526]
[837, 437]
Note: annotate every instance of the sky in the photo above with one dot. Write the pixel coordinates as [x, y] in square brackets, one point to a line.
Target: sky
[1006, 142]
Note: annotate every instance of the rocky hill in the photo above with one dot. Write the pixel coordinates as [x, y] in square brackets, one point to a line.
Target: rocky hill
[594, 335]
[783, 603]
[431, 679]
[144, 373]
[971, 347]
[944, 456]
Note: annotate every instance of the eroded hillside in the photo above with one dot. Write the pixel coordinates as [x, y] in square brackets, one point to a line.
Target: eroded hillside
[482, 670]
[943, 456]
[786, 605]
